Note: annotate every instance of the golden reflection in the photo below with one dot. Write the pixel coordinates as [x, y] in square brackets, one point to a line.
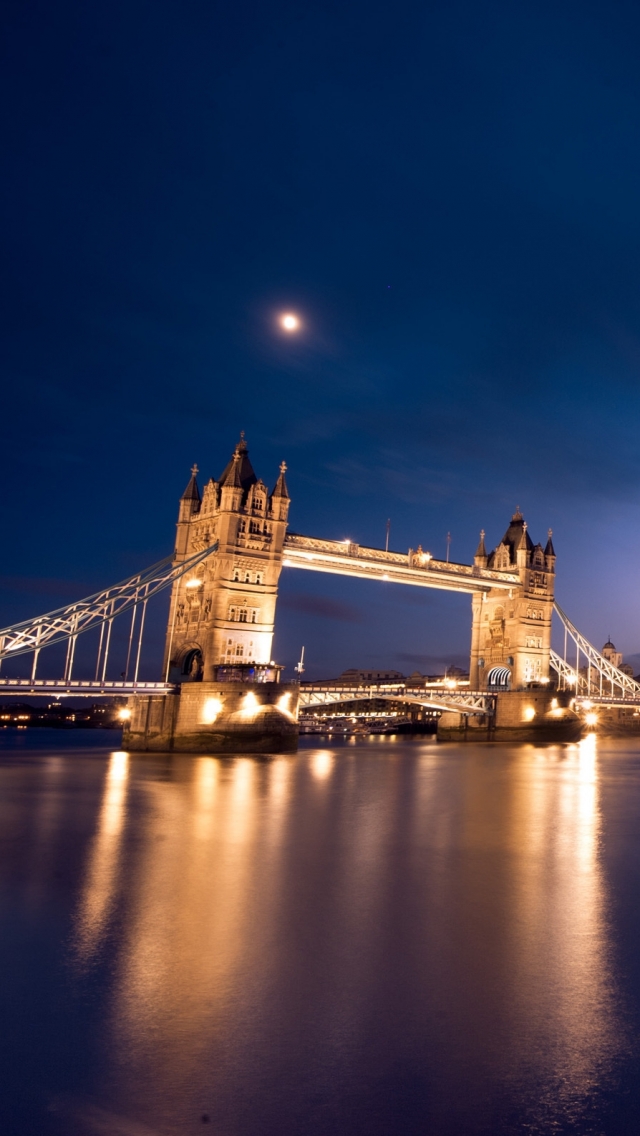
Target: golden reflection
[561, 981]
[472, 887]
[193, 903]
[321, 764]
[101, 878]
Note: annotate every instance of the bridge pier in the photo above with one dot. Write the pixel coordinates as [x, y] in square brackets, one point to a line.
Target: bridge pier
[520, 716]
[228, 716]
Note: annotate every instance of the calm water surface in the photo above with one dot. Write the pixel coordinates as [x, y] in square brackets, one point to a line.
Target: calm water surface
[387, 937]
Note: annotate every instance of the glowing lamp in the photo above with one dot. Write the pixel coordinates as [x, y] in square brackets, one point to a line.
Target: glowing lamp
[124, 714]
[211, 709]
[250, 703]
[529, 713]
[591, 719]
[193, 583]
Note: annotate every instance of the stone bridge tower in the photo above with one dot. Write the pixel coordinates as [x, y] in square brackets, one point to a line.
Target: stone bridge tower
[223, 612]
[511, 631]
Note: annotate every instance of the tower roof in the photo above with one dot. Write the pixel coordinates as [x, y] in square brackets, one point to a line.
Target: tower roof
[481, 550]
[549, 549]
[239, 471]
[516, 535]
[280, 489]
[192, 493]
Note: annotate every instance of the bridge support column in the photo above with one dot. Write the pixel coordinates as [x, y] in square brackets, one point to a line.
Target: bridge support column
[224, 612]
[511, 631]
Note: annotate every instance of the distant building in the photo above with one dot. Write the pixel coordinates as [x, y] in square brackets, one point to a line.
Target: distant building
[614, 657]
[350, 676]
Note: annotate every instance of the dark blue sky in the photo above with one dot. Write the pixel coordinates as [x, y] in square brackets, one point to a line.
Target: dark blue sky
[450, 196]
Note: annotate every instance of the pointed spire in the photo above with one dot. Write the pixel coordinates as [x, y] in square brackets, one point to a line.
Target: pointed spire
[549, 550]
[481, 550]
[192, 493]
[231, 475]
[525, 540]
[281, 485]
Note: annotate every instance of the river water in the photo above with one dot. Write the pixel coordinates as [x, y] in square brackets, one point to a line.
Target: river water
[387, 936]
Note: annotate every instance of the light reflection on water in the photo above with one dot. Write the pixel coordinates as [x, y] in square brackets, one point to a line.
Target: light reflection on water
[359, 939]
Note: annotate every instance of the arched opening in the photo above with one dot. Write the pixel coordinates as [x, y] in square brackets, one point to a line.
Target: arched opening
[499, 678]
[192, 666]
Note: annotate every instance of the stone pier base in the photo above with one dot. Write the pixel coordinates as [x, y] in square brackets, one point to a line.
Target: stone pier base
[216, 717]
[538, 715]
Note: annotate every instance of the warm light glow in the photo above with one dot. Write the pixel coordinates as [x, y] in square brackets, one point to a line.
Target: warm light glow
[289, 322]
[587, 704]
[571, 679]
[99, 888]
[193, 583]
[591, 718]
[322, 764]
[250, 703]
[529, 713]
[385, 576]
[124, 714]
[284, 707]
[451, 683]
[211, 709]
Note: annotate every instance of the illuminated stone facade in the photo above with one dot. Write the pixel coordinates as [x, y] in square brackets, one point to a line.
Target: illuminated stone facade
[511, 633]
[223, 612]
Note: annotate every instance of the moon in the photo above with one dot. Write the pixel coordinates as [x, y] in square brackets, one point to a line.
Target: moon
[289, 322]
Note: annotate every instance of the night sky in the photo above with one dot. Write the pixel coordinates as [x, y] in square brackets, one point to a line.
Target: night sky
[447, 194]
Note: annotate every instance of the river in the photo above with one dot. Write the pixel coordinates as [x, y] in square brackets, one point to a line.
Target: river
[376, 938]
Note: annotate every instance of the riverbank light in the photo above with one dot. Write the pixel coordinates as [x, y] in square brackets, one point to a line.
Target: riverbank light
[211, 709]
[591, 719]
[124, 714]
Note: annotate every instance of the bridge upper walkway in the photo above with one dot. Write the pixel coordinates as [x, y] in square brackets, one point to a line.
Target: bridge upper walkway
[345, 558]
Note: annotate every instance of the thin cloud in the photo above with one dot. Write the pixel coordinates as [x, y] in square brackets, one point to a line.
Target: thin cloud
[322, 608]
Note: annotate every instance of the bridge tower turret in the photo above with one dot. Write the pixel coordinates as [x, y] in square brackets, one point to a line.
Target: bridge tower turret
[511, 632]
[224, 612]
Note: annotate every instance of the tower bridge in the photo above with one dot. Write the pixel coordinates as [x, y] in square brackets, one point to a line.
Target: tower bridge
[218, 679]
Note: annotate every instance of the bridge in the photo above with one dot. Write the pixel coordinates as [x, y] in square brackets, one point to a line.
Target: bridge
[232, 543]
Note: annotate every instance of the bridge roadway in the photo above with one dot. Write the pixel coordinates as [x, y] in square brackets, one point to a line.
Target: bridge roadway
[57, 688]
[462, 702]
[345, 558]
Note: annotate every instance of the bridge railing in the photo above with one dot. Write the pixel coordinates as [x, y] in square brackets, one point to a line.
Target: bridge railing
[597, 676]
[97, 611]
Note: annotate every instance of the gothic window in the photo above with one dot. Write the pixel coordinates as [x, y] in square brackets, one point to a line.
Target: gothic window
[499, 613]
[254, 615]
[233, 613]
[236, 575]
[247, 577]
[254, 526]
[239, 650]
[259, 577]
[243, 615]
